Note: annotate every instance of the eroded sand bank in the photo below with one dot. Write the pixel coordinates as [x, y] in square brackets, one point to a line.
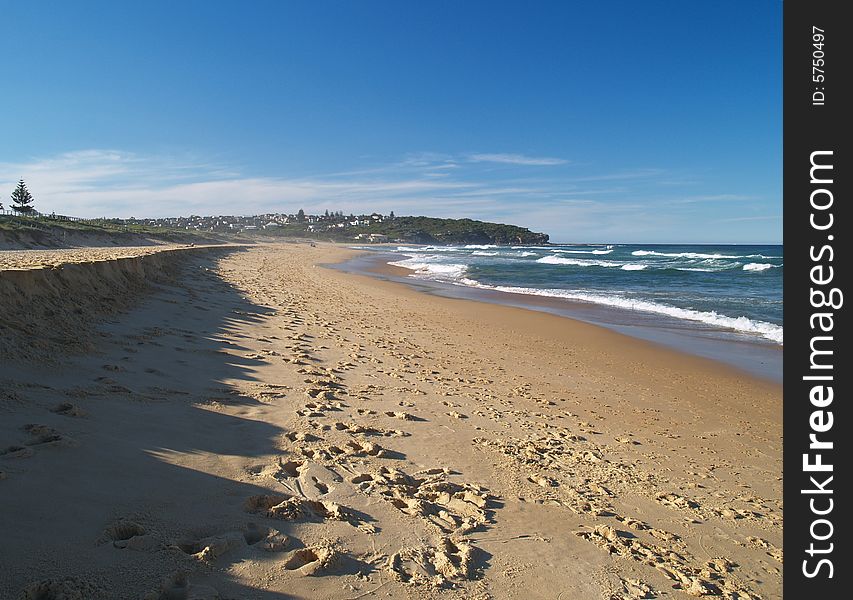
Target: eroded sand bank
[259, 426]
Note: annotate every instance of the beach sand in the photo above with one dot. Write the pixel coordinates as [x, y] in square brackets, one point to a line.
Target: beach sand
[246, 423]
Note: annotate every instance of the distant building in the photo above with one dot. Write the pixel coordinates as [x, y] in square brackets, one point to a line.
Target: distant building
[374, 238]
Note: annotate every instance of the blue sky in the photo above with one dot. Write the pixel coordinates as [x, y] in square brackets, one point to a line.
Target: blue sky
[656, 121]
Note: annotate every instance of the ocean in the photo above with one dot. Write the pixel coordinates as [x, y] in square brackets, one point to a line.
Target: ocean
[726, 287]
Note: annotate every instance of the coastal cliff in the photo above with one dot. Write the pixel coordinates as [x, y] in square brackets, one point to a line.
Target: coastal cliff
[429, 230]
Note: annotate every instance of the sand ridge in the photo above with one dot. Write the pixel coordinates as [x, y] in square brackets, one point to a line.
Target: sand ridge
[264, 427]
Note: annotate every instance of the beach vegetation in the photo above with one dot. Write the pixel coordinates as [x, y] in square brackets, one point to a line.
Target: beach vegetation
[430, 230]
[22, 199]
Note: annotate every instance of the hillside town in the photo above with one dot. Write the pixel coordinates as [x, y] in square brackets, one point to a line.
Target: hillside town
[330, 226]
[325, 222]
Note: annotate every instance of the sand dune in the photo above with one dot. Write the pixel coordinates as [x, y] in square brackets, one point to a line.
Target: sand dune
[244, 423]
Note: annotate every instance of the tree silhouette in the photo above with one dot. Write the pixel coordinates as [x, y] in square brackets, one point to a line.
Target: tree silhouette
[22, 199]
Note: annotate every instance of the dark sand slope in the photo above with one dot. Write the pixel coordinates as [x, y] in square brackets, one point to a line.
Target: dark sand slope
[256, 426]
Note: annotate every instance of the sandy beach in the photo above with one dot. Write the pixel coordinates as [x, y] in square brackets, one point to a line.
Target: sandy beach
[243, 422]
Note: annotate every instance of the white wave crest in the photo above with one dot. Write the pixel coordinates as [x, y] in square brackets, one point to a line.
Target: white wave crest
[427, 249]
[758, 266]
[559, 260]
[769, 331]
[432, 269]
[584, 251]
[632, 267]
[682, 254]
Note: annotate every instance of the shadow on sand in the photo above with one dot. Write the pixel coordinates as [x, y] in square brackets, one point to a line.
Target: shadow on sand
[132, 497]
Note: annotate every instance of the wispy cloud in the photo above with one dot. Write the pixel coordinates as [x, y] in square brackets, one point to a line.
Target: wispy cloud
[749, 219]
[588, 206]
[716, 198]
[517, 159]
[94, 183]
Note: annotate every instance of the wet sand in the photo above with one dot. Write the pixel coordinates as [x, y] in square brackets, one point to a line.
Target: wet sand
[254, 425]
[747, 353]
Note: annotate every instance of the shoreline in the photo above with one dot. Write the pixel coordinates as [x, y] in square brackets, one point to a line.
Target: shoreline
[260, 426]
[755, 358]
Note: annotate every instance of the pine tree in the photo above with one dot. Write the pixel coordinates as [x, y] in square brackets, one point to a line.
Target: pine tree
[300, 216]
[22, 199]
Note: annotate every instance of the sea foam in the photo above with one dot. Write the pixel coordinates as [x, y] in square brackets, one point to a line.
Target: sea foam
[681, 254]
[435, 269]
[464, 265]
[584, 251]
[560, 260]
[697, 255]
[769, 331]
[758, 266]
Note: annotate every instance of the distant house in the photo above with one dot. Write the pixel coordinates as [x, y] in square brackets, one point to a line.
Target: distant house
[374, 238]
[271, 225]
[249, 227]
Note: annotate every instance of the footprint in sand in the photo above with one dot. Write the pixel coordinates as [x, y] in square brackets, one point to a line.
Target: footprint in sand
[291, 508]
[16, 452]
[212, 547]
[403, 416]
[123, 530]
[68, 409]
[290, 468]
[131, 536]
[451, 507]
[41, 434]
[322, 488]
[265, 538]
[357, 448]
[355, 428]
[309, 561]
[437, 566]
[66, 588]
[178, 587]
[634, 589]
[362, 478]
